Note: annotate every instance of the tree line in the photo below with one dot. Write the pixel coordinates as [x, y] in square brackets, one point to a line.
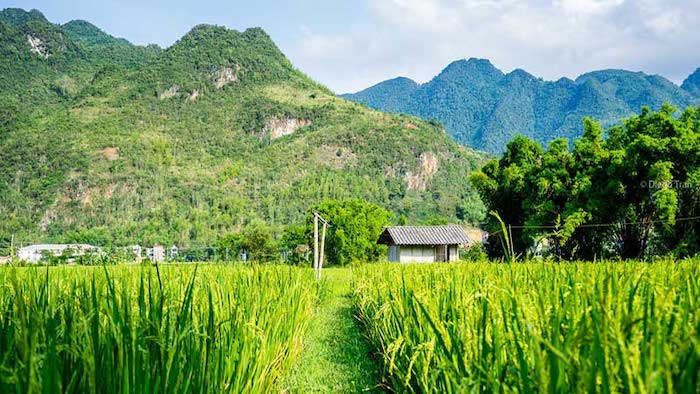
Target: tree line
[632, 191]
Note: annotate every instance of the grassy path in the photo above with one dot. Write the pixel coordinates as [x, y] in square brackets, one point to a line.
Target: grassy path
[336, 356]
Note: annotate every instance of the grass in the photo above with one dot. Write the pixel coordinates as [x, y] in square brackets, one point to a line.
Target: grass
[584, 327]
[177, 329]
[336, 357]
[538, 327]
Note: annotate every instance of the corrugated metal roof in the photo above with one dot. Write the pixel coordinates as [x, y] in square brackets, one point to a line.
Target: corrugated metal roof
[424, 235]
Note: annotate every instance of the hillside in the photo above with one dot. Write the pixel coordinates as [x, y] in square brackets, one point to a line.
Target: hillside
[484, 108]
[112, 142]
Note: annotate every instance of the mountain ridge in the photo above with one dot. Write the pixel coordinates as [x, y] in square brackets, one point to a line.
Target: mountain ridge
[188, 143]
[477, 104]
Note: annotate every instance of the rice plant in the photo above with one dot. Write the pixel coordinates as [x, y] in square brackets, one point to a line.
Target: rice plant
[579, 327]
[175, 329]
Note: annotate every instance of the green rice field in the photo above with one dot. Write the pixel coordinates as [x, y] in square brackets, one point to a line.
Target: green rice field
[603, 327]
[133, 329]
[443, 328]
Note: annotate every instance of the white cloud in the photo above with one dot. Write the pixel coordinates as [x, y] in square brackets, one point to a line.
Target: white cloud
[549, 38]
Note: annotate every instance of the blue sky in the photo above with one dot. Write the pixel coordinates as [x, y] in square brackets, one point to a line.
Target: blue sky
[350, 45]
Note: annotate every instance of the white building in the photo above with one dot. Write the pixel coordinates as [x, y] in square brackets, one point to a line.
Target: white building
[424, 244]
[156, 253]
[34, 253]
[136, 251]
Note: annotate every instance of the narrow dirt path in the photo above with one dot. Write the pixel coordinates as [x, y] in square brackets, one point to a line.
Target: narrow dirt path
[336, 357]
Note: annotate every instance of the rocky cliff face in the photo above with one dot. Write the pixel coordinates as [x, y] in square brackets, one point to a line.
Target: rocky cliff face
[279, 127]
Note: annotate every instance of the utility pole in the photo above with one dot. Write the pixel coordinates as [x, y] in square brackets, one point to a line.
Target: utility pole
[510, 236]
[12, 248]
[318, 254]
[315, 241]
[323, 248]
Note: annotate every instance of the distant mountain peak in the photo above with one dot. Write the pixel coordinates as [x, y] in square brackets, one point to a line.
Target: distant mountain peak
[208, 31]
[479, 62]
[390, 92]
[519, 73]
[401, 81]
[472, 64]
[609, 73]
[692, 83]
[91, 34]
[219, 39]
[209, 57]
[18, 16]
[483, 108]
[471, 70]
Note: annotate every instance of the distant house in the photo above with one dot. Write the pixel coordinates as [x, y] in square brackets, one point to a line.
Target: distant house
[136, 251]
[174, 251]
[34, 253]
[156, 253]
[424, 244]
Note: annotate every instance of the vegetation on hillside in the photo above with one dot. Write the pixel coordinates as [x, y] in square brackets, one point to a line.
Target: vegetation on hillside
[192, 143]
[484, 108]
[631, 192]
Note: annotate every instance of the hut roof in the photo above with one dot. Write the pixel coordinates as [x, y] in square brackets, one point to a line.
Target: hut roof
[424, 235]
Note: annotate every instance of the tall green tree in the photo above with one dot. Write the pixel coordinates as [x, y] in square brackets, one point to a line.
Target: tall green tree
[504, 185]
[635, 181]
[355, 226]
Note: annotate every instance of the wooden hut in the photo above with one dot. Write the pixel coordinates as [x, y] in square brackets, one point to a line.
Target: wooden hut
[424, 244]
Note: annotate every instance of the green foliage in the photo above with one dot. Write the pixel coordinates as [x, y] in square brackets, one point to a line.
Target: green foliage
[483, 108]
[295, 243]
[637, 181]
[355, 227]
[258, 243]
[474, 253]
[230, 247]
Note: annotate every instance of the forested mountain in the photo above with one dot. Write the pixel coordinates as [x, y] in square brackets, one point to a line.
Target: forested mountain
[692, 84]
[106, 142]
[484, 108]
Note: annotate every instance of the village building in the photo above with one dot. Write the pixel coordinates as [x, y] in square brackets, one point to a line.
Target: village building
[424, 244]
[34, 253]
[136, 252]
[156, 253]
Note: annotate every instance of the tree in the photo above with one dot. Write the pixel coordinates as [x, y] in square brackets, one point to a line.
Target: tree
[635, 183]
[295, 242]
[258, 242]
[355, 226]
[229, 247]
[652, 156]
[255, 240]
[505, 187]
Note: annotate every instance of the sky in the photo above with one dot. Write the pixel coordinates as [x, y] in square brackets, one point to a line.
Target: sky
[353, 44]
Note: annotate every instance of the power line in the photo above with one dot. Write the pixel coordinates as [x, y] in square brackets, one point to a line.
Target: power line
[595, 225]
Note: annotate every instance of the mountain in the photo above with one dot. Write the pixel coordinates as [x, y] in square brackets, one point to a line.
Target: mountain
[90, 34]
[107, 142]
[484, 108]
[692, 83]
